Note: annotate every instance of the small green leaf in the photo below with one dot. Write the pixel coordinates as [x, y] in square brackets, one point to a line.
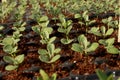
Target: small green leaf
[110, 77]
[55, 58]
[51, 40]
[19, 58]
[11, 67]
[61, 30]
[110, 41]
[8, 41]
[109, 32]
[8, 59]
[54, 76]
[103, 42]
[92, 47]
[101, 75]
[66, 41]
[103, 29]
[44, 75]
[57, 50]
[42, 51]
[51, 48]
[68, 29]
[77, 15]
[8, 49]
[76, 47]
[36, 29]
[112, 50]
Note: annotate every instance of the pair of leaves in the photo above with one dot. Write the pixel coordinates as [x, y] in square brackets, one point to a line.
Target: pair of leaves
[109, 45]
[14, 61]
[50, 55]
[101, 32]
[44, 76]
[84, 46]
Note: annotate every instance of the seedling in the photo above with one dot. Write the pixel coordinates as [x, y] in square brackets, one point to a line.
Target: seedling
[103, 76]
[50, 55]
[84, 46]
[108, 44]
[13, 62]
[101, 31]
[10, 45]
[64, 27]
[110, 22]
[84, 19]
[44, 34]
[44, 76]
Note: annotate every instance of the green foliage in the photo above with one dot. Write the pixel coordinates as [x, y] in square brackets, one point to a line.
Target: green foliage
[44, 76]
[44, 34]
[1, 28]
[84, 46]
[108, 44]
[50, 55]
[64, 27]
[101, 32]
[84, 19]
[103, 76]
[13, 62]
[110, 22]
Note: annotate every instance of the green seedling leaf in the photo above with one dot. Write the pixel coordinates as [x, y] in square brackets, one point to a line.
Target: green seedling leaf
[8, 49]
[112, 50]
[57, 50]
[8, 59]
[11, 67]
[76, 47]
[42, 51]
[66, 41]
[55, 58]
[54, 76]
[68, 29]
[109, 32]
[8, 41]
[47, 29]
[77, 15]
[110, 41]
[51, 48]
[44, 75]
[101, 75]
[61, 30]
[103, 29]
[51, 40]
[44, 58]
[19, 58]
[36, 29]
[93, 47]
[95, 31]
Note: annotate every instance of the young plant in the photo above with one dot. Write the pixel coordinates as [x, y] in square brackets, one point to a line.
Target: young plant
[10, 45]
[84, 46]
[110, 22]
[43, 30]
[50, 55]
[84, 19]
[101, 31]
[108, 44]
[44, 76]
[64, 27]
[14, 62]
[102, 76]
